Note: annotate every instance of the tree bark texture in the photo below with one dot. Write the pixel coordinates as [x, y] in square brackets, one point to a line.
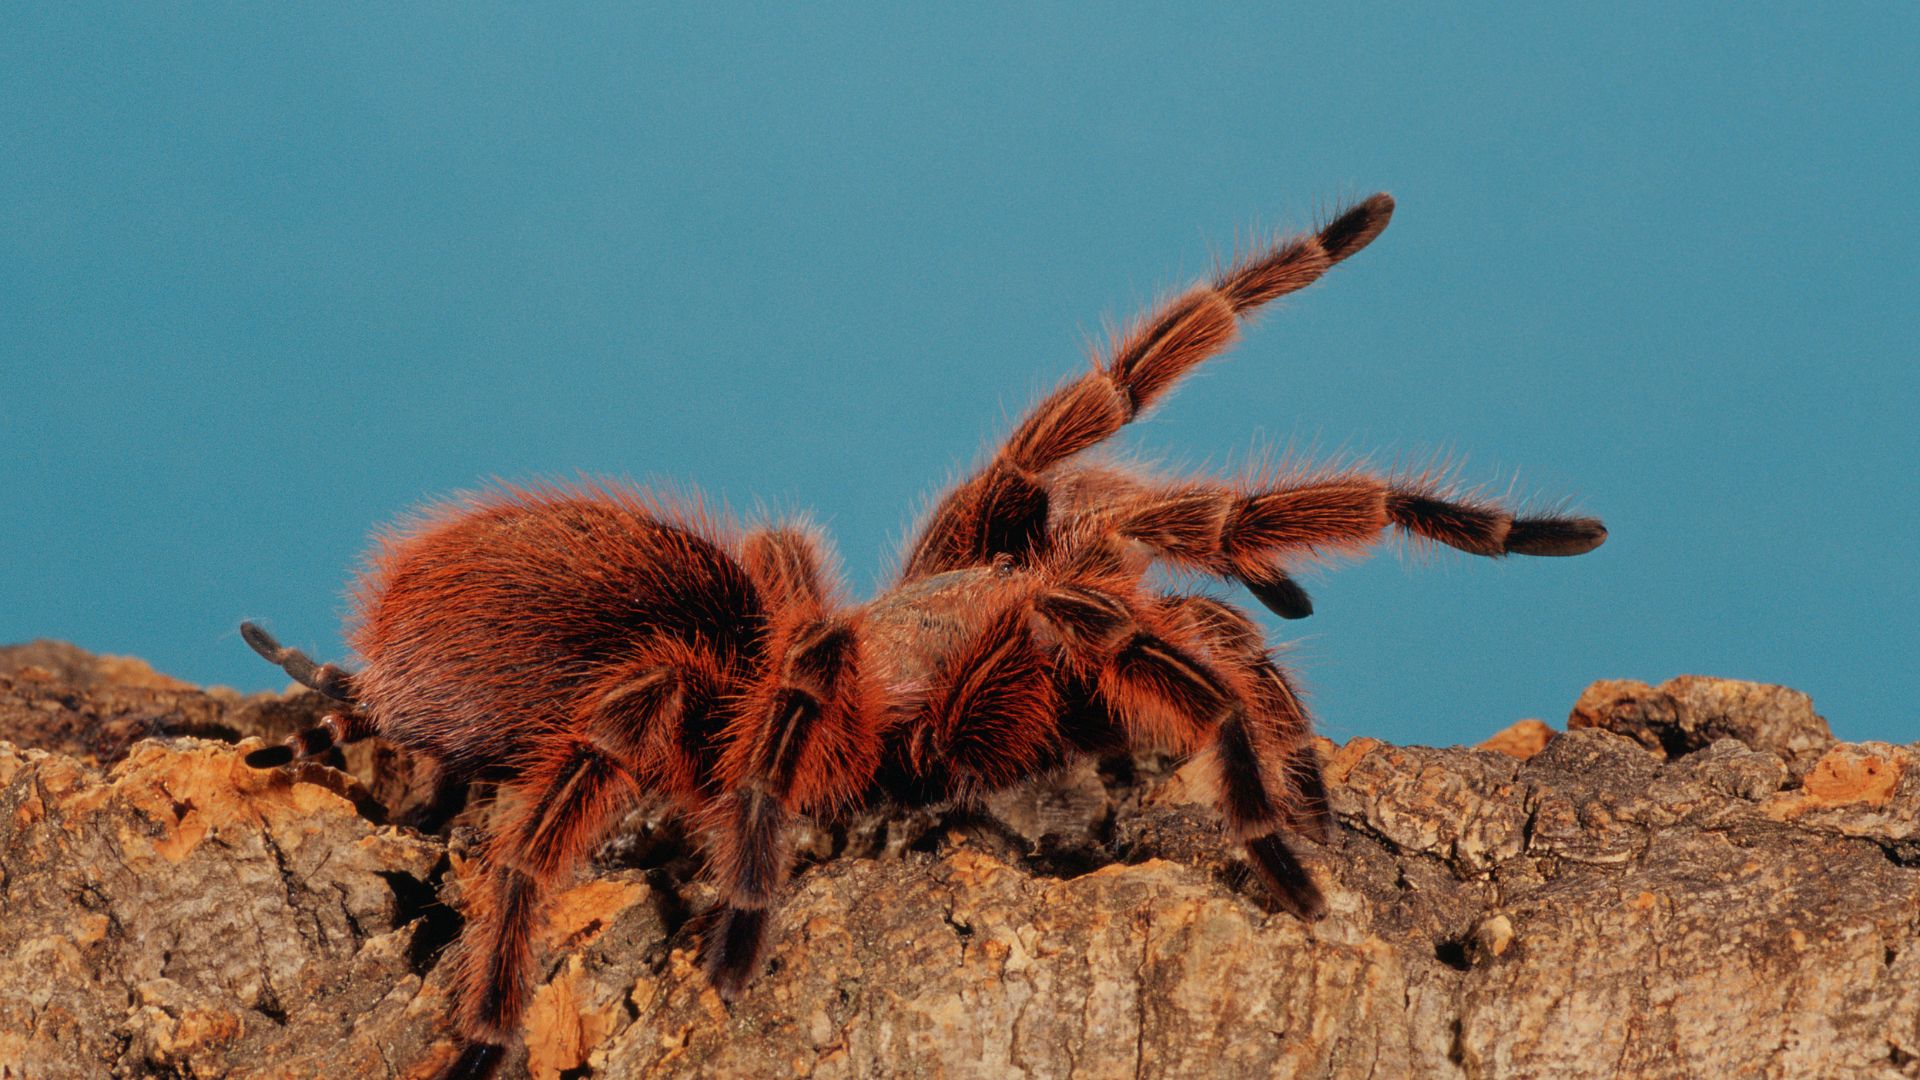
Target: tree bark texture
[1694, 880]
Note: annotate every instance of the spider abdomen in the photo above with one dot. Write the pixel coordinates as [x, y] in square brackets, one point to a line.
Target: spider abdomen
[489, 623]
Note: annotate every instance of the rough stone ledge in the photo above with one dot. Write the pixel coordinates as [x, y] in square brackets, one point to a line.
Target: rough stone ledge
[1696, 880]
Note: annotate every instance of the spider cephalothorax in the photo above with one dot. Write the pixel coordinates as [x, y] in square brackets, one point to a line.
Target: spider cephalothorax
[589, 646]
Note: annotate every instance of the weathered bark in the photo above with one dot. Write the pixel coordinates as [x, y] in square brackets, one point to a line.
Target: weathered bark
[1696, 881]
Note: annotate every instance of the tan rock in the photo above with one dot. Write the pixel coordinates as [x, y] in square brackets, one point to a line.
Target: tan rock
[1521, 739]
[1853, 774]
[1691, 712]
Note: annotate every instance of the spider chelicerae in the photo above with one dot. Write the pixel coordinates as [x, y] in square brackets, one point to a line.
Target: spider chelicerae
[588, 646]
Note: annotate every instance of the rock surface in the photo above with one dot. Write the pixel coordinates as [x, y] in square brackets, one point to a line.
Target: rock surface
[1694, 881]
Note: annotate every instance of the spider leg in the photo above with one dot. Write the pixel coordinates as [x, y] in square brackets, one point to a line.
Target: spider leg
[786, 562]
[995, 718]
[337, 727]
[340, 726]
[1277, 590]
[648, 718]
[1277, 713]
[664, 712]
[328, 679]
[570, 794]
[796, 745]
[477, 1061]
[1003, 508]
[1310, 815]
[1180, 680]
[1243, 532]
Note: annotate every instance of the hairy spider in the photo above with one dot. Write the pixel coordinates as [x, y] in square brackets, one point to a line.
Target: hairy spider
[586, 646]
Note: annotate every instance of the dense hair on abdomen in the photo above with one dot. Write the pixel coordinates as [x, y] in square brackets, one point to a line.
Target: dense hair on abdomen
[483, 621]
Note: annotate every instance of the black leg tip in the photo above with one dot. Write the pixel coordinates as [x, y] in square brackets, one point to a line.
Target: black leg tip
[477, 1061]
[1283, 596]
[733, 950]
[270, 757]
[260, 641]
[1356, 226]
[1286, 878]
[1555, 536]
[1378, 205]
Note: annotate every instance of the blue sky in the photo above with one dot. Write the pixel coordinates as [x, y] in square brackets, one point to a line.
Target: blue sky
[271, 276]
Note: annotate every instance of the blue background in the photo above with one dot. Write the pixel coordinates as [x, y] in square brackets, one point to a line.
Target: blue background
[269, 278]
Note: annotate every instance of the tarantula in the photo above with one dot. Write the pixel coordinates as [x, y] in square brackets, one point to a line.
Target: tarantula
[587, 646]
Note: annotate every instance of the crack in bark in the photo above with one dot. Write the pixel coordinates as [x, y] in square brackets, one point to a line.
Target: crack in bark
[1140, 994]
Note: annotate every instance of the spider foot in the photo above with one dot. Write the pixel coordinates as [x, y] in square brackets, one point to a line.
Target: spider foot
[1555, 536]
[1286, 878]
[1282, 595]
[477, 1061]
[733, 949]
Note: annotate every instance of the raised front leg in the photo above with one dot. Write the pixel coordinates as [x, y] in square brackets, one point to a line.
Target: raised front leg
[1002, 510]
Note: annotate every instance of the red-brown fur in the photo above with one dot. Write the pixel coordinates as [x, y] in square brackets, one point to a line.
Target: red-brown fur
[586, 646]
